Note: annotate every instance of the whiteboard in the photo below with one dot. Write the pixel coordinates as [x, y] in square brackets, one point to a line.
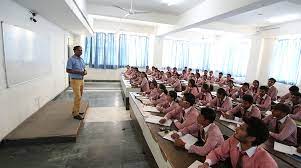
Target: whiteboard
[26, 54]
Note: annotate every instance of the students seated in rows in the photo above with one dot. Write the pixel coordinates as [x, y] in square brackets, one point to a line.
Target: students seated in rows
[287, 97]
[222, 103]
[136, 78]
[255, 87]
[162, 98]
[244, 90]
[211, 77]
[273, 91]
[153, 92]
[184, 75]
[262, 100]
[282, 127]
[243, 148]
[245, 109]
[171, 103]
[231, 89]
[209, 134]
[127, 71]
[220, 79]
[144, 84]
[176, 83]
[205, 96]
[296, 106]
[192, 88]
[189, 114]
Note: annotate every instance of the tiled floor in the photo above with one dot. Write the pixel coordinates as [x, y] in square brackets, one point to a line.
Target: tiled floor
[107, 139]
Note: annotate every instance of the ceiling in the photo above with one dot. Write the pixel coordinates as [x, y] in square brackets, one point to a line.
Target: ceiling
[150, 5]
[259, 17]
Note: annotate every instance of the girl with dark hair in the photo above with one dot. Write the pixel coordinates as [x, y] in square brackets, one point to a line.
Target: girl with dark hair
[192, 88]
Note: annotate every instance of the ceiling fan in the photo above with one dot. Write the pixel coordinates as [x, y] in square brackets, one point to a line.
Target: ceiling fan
[130, 11]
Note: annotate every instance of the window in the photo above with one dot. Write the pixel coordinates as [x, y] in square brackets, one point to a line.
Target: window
[286, 61]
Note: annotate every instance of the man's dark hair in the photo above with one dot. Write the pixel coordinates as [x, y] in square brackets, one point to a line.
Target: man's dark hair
[264, 88]
[76, 47]
[209, 114]
[220, 73]
[163, 88]
[273, 80]
[256, 128]
[283, 108]
[221, 91]
[248, 98]
[190, 98]
[246, 84]
[297, 94]
[173, 95]
[294, 89]
[229, 75]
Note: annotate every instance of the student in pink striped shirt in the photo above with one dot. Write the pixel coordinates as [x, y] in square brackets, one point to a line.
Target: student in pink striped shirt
[220, 79]
[222, 103]
[144, 85]
[287, 97]
[211, 77]
[262, 100]
[189, 113]
[282, 127]
[207, 132]
[205, 95]
[255, 87]
[296, 106]
[198, 80]
[273, 91]
[153, 93]
[162, 99]
[231, 89]
[171, 103]
[243, 149]
[192, 88]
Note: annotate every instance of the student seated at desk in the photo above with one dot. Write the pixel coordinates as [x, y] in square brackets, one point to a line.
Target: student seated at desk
[171, 103]
[205, 75]
[147, 70]
[244, 90]
[228, 78]
[192, 88]
[287, 97]
[176, 83]
[205, 95]
[163, 76]
[273, 91]
[220, 79]
[169, 79]
[173, 110]
[296, 106]
[198, 80]
[191, 76]
[255, 87]
[282, 127]
[162, 99]
[184, 75]
[174, 71]
[128, 70]
[230, 89]
[243, 148]
[144, 85]
[245, 109]
[153, 92]
[207, 132]
[222, 103]
[189, 113]
[211, 77]
[168, 69]
[262, 100]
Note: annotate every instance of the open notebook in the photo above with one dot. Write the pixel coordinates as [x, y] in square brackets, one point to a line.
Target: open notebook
[222, 118]
[150, 109]
[195, 164]
[155, 120]
[291, 150]
[188, 139]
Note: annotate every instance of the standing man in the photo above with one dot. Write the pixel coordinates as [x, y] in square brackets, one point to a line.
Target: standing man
[76, 70]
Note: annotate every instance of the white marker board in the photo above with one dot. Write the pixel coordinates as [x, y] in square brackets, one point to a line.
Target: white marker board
[26, 54]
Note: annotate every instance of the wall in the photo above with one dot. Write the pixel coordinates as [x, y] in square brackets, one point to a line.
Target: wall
[19, 102]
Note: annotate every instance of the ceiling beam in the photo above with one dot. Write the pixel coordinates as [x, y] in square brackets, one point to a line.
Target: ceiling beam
[216, 10]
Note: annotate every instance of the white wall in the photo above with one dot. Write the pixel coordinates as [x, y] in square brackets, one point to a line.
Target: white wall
[19, 102]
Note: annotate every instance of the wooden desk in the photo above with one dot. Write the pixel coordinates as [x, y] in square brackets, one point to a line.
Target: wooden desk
[283, 160]
[126, 88]
[163, 151]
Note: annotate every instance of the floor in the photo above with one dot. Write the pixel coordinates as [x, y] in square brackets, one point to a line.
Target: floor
[106, 140]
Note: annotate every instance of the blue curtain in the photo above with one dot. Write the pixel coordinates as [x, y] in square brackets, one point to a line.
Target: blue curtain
[100, 51]
[286, 61]
[133, 50]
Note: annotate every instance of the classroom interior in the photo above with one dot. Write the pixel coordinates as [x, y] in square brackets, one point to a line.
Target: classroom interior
[249, 39]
